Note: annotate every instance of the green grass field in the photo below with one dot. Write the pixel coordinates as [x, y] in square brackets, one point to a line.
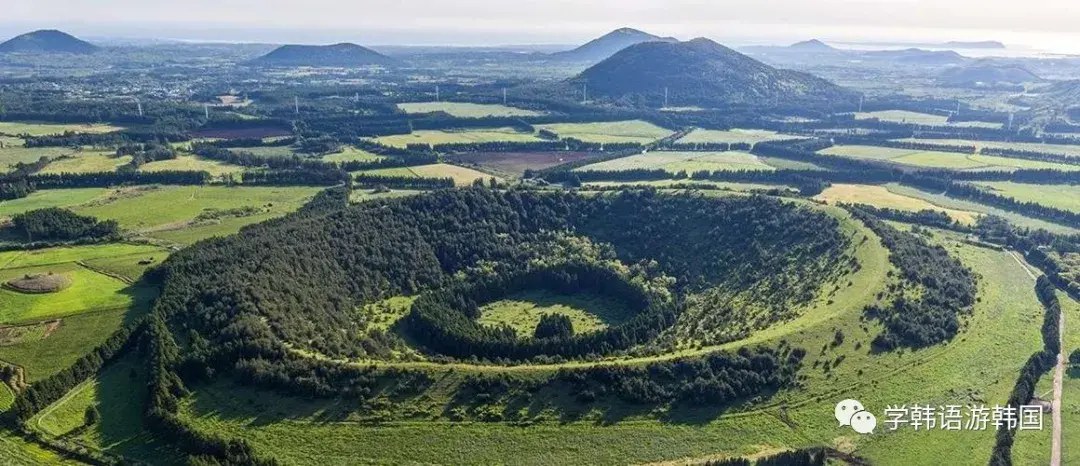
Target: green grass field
[689, 162]
[352, 154]
[50, 198]
[88, 162]
[60, 255]
[13, 152]
[45, 129]
[904, 116]
[880, 196]
[176, 207]
[89, 292]
[751, 136]
[947, 202]
[950, 160]
[267, 151]
[605, 132]
[193, 163]
[522, 311]
[467, 110]
[979, 366]
[457, 136]
[1065, 197]
[1060, 149]
[75, 336]
[462, 176]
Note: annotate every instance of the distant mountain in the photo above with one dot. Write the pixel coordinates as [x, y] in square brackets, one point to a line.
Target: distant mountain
[702, 72]
[919, 56]
[987, 73]
[47, 41]
[986, 44]
[337, 55]
[812, 45]
[609, 44]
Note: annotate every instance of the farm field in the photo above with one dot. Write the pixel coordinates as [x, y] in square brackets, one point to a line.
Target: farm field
[70, 340]
[457, 136]
[609, 132]
[193, 163]
[467, 110]
[522, 311]
[87, 162]
[1060, 149]
[689, 162]
[978, 366]
[50, 198]
[175, 207]
[267, 151]
[1062, 197]
[46, 129]
[13, 152]
[89, 291]
[964, 205]
[903, 116]
[352, 154]
[462, 176]
[751, 136]
[950, 160]
[515, 163]
[880, 196]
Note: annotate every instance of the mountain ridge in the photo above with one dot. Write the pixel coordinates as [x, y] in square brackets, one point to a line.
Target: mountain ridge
[335, 55]
[47, 41]
[703, 72]
[609, 44]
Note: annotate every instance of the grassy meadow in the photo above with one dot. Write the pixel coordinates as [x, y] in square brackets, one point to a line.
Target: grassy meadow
[1060, 149]
[880, 196]
[609, 132]
[947, 202]
[45, 129]
[159, 208]
[462, 176]
[1065, 197]
[522, 311]
[916, 118]
[50, 198]
[751, 136]
[689, 162]
[948, 160]
[457, 136]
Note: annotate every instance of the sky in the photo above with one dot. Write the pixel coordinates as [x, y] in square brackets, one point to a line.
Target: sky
[1043, 24]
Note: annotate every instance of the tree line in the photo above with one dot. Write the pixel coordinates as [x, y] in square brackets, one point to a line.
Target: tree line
[948, 290]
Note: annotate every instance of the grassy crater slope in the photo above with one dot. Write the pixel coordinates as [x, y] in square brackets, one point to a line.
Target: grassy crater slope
[979, 368]
[976, 367]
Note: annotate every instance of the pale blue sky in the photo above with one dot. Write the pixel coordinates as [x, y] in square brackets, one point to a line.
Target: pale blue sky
[1036, 22]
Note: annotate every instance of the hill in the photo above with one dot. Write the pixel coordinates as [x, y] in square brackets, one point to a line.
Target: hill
[988, 74]
[702, 72]
[344, 54]
[47, 41]
[609, 44]
[812, 45]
